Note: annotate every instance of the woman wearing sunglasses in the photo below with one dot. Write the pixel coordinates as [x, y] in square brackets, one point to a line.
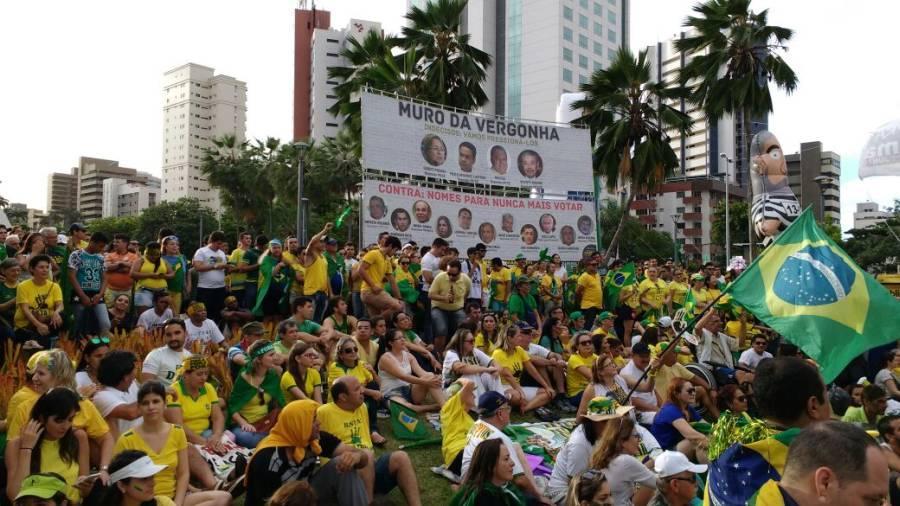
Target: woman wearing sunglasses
[402, 378]
[256, 397]
[463, 360]
[92, 352]
[54, 369]
[734, 399]
[615, 455]
[578, 367]
[672, 424]
[347, 363]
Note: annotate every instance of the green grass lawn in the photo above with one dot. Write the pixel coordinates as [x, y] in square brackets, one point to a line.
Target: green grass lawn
[435, 490]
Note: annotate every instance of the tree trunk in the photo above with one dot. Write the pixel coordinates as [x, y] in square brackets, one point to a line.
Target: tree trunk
[626, 214]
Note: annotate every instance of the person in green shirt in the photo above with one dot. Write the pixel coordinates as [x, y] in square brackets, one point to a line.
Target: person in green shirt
[874, 403]
[9, 269]
[523, 305]
[179, 284]
[3, 234]
[249, 265]
[335, 263]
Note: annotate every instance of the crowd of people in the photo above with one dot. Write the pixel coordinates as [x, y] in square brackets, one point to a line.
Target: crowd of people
[676, 392]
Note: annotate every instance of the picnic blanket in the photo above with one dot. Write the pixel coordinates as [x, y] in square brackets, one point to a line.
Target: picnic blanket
[542, 439]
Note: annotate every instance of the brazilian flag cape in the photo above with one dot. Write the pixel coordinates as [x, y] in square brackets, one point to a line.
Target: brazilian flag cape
[267, 281]
[811, 292]
[615, 282]
[739, 473]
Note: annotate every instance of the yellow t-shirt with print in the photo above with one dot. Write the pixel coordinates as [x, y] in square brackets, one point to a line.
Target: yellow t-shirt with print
[678, 292]
[575, 382]
[313, 379]
[514, 361]
[88, 418]
[378, 267]
[592, 294]
[497, 283]
[42, 301]
[655, 292]
[336, 370]
[455, 425]
[195, 413]
[351, 427]
[168, 456]
[294, 263]
[315, 277]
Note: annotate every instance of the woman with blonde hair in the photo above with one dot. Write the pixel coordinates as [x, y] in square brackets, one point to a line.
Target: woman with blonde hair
[589, 489]
[513, 360]
[615, 455]
[346, 362]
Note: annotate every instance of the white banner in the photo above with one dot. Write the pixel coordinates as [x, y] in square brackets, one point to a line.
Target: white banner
[507, 226]
[410, 138]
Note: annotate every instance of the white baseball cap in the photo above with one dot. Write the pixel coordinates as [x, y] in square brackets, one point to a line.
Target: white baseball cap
[670, 463]
[665, 321]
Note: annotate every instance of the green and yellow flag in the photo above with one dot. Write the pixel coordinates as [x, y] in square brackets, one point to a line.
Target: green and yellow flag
[809, 290]
[406, 424]
[615, 282]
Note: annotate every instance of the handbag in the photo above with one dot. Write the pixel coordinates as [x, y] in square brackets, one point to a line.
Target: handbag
[267, 422]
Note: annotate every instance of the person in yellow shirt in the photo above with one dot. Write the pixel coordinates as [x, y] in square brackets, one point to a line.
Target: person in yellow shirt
[699, 293]
[316, 284]
[653, 294]
[551, 290]
[374, 270]
[678, 289]
[589, 291]
[455, 424]
[490, 330]
[155, 433]
[519, 269]
[500, 285]
[134, 481]
[578, 368]
[39, 304]
[292, 255]
[239, 277]
[346, 418]
[513, 360]
[347, 363]
[302, 380]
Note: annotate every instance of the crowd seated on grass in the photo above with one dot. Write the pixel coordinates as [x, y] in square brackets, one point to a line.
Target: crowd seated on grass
[285, 375]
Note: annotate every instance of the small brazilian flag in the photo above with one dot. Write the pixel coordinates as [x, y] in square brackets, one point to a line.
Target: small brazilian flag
[405, 424]
[809, 290]
[615, 282]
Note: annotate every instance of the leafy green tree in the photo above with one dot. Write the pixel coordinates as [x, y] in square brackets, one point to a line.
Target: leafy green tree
[872, 247]
[62, 218]
[191, 221]
[240, 171]
[120, 225]
[635, 241]
[735, 55]
[739, 225]
[628, 116]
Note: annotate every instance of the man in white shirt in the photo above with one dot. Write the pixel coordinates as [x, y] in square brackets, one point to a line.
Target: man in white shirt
[163, 363]
[156, 316]
[200, 328]
[431, 266]
[752, 356]
[494, 411]
[472, 267]
[211, 265]
[117, 400]
[714, 346]
[644, 398]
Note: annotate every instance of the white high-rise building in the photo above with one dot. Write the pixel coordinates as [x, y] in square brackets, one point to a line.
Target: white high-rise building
[198, 105]
[868, 215]
[326, 48]
[542, 49]
[124, 198]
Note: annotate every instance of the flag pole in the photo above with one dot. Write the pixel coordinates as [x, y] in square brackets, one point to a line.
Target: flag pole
[674, 342]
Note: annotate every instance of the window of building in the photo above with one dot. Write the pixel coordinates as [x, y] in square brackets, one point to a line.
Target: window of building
[598, 66]
[698, 209]
[583, 4]
[582, 61]
[611, 36]
[598, 9]
[583, 21]
[598, 49]
[332, 40]
[567, 34]
[333, 55]
[567, 13]
[679, 195]
[583, 41]
[598, 29]
[567, 75]
[610, 53]
[567, 54]
[679, 210]
[582, 79]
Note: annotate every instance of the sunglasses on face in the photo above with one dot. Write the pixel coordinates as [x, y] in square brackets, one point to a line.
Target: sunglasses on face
[583, 343]
[404, 263]
[98, 340]
[760, 343]
[353, 349]
[691, 391]
[692, 479]
[310, 355]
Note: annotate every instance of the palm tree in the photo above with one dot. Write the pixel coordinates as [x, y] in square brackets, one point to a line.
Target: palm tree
[628, 116]
[239, 171]
[453, 69]
[736, 54]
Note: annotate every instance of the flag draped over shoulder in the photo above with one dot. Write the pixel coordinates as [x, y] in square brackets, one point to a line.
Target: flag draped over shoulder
[810, 291]
[615, 282]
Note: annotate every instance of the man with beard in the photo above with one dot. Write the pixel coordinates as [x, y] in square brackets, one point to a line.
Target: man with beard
[163, 363]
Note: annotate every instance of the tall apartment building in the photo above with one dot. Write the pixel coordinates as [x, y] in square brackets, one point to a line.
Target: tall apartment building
[62, 191]
[199, 105]
[699, 153]
[542, 49]
[123, 198]
[868, 215]
[327, 44]
[91, 174]
[815, 178]
[306, 22]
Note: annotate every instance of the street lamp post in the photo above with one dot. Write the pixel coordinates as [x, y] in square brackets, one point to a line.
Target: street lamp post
[301, 211]
[675, 218]
[728, 162]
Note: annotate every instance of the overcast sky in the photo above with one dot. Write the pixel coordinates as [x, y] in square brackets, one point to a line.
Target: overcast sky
[85, 78]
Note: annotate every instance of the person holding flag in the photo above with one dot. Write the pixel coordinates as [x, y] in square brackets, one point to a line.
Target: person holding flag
[621, 297]
[275, 278]
[697, 297]
[653, 293]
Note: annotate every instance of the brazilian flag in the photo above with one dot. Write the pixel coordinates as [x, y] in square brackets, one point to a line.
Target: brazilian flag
[406, 424]
[615, 282]
[809, 290]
